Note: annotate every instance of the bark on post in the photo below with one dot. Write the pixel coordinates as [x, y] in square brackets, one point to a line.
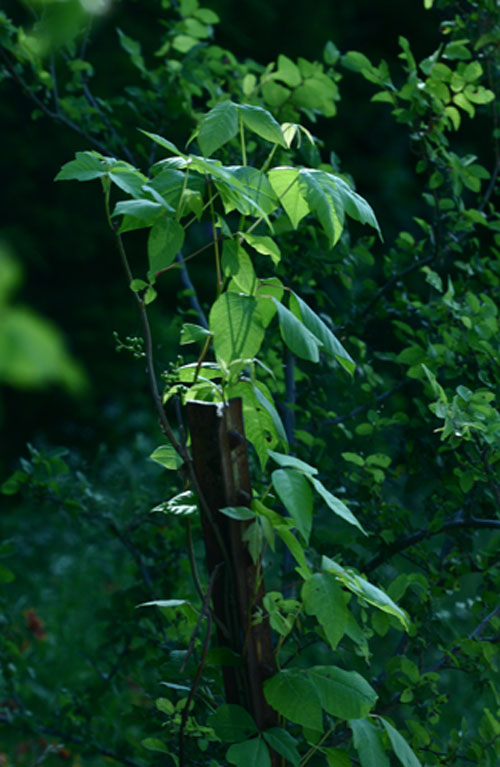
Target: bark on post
[221, 465]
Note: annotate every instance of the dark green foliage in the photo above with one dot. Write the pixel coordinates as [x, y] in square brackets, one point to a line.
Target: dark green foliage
[368, 371]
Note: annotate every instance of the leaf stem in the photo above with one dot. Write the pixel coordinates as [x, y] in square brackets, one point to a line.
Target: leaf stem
[242, 141]
[316, 746]
[216, 248]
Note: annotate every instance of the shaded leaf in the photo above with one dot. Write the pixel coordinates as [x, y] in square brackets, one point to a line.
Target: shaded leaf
[400, 746]
[363, 588]
[323, 597]
[250, 753]
[336, 505]
[345, 694]
[165, 240]
[295, 493]
[282, 742]
[297, 337]
[368, 743]
[232, 723]
[294, 696]
[331, 345]
[85, 167]
[289, 460]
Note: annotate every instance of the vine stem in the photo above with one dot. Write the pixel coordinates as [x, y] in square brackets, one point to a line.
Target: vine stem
[216, 249]
[317, 745]
[242, 140]
[164, 422]
[196, 680]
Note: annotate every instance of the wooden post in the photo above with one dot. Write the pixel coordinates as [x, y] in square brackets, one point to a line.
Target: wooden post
[221, 466]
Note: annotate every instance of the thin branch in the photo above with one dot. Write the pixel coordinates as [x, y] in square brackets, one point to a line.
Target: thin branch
[196, 680]
[361, 408]
[148, 348]
[135, 554]
[109, 125]
[395, 279]
[186, 281]
[290, 396]
[54, 115]
[481, 626]
[473, 523]
[473, 635]
[68, 738]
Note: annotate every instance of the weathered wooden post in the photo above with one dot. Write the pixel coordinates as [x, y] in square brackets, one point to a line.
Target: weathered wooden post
[220, 461]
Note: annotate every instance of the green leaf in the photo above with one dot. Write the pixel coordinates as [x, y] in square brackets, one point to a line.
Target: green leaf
[322, 194]
[133, 48]
[250, 753]
[146, 211]
[295, 493]
[275, 95]
[288, 72]
[181, 505]
[289, 460]
[165, 705]
[163, 142]
[261, 122]
[264, 245]
[259, 197]
[240, 513]
[400, 746]
[237, 264]
[331, 345]
[264, 398]
[232, 723]
[184, 43]
[154, 744]
[354, 205]
[282, 742]
[285, 184]
[242, 188]
[293, 694]
[167, 457]
[363, 588]
[6, 575]
[356, 61]
[138, 285]
[345, 694]
[127, 178]
[368, 743]
[337, 757]
[193, 334]
[260, 427]
[172, 185]
[297, 337]
[218, 127]
[165, 240]
[85, 167]
[165, 603]
[317, 93]
[295, 549]
[236, 326]
[336, 505]
[266, 291]
[323, 597]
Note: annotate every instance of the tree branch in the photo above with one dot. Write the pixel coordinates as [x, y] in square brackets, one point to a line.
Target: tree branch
[54, 115]
[361, 408]
[473, 523]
